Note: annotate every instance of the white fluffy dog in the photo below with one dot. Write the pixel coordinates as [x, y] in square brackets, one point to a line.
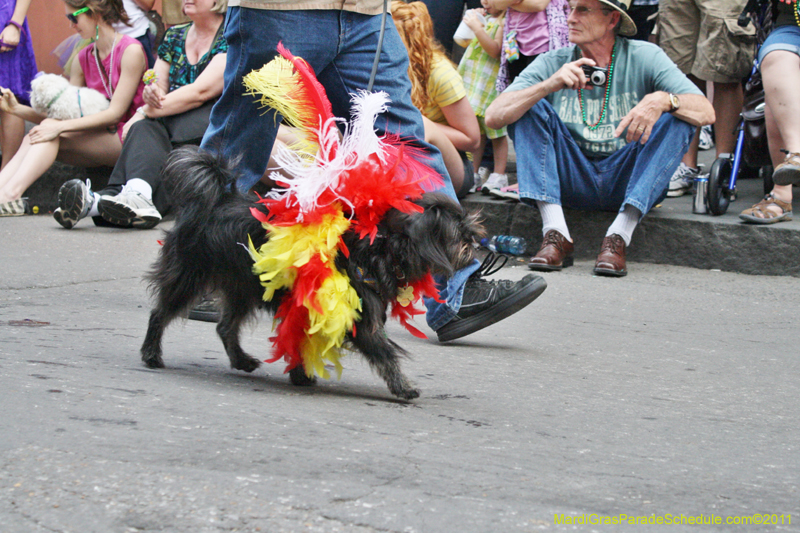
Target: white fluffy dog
[52, 95]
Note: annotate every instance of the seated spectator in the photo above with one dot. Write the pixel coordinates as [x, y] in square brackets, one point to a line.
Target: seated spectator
[138, 26]
[188, 80]
[612, 146]
[438, 92]
[113, 65]
[17, 69]
[779, 61]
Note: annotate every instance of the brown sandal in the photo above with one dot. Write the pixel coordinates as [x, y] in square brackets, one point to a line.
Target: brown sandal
[760, 214]
[788, 172]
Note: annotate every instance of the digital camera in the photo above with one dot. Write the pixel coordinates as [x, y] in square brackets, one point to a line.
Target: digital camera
[595, 75]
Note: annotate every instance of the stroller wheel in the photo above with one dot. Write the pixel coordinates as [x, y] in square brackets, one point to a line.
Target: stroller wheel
[765, 174]
[719, 179]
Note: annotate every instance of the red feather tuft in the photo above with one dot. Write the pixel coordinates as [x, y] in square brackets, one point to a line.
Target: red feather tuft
[425, 286]
[311, 98]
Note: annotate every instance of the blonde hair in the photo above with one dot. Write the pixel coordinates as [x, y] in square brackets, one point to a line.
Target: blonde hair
[415, 26]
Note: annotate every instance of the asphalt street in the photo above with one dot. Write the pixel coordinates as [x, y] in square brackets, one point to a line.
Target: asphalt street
[670, 394]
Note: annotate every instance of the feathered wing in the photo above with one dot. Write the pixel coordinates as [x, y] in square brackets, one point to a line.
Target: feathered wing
[288, 85]
[335, 185]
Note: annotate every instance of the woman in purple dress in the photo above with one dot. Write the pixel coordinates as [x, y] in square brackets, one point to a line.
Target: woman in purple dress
[17, 69]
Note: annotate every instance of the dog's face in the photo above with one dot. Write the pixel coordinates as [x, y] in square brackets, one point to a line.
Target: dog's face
[442, 236]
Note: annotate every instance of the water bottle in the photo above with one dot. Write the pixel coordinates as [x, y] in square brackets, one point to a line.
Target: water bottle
[700, 191]
[505, 244]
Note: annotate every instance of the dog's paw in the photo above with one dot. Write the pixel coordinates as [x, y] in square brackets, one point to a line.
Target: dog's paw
[153, 361]
[299, 378]
[246, 363]
[406, 393]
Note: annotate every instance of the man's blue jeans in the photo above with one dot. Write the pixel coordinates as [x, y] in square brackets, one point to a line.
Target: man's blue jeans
[340, 46]
[553, 169]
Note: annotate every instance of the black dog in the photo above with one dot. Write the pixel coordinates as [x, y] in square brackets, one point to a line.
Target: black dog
[203, 253]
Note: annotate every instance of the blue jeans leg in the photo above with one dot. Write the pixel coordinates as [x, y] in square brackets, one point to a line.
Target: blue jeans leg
[340, 47]
[551, 167]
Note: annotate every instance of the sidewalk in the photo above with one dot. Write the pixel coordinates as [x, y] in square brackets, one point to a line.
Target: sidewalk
[670, 234]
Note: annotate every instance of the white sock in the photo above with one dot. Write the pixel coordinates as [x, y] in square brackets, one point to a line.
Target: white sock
[140, 186]
[93, 211]
[553, 218]
[625, 223]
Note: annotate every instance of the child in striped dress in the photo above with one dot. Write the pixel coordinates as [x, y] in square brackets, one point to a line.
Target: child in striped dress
[478, 68]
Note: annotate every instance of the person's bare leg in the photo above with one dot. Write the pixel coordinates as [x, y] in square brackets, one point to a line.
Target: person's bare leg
[452, 160]
[12, 130]
[477, 155]
[780, 72]
[89, 148]
[34, 161]
[500, 149]
[13, 165]
[728, 102]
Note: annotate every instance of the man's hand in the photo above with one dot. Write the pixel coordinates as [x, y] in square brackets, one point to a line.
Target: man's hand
[570, 76]
[641, 119]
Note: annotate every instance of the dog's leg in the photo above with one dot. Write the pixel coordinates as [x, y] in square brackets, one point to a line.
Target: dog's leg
[234, 312]
[381, 353]
[151, 348]
[299, 378]
[174, 293]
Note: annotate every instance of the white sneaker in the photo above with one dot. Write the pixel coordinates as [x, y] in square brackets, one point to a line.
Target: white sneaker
[682, 180]
[509, 193]
[706, 138]
[14, 208]
[480, 178]
[129, 209]
[495, 181]
[75, 199]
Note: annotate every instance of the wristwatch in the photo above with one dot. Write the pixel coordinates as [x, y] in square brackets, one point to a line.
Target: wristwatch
[674, 102]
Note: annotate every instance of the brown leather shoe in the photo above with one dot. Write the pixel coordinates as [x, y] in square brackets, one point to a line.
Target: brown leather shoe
[611, 260]
[555, 253]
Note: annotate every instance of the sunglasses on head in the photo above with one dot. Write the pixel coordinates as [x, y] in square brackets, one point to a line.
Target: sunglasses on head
[73, 17]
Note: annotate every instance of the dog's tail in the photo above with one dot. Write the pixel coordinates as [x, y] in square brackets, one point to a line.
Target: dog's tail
[197, 178]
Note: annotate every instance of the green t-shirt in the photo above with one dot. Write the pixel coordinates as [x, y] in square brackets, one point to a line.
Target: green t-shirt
[640, 68]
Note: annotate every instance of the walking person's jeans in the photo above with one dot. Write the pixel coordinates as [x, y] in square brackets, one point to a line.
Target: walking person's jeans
[553, 169]
[340, 46]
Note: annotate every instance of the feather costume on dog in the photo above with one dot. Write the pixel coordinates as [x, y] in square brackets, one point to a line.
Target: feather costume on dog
[336, 184]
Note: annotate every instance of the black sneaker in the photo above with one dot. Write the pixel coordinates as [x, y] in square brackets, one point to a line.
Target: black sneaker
[486, 302]
[206, 311]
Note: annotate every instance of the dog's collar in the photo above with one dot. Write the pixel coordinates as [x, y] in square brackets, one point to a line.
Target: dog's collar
[56, 97]
[405, 293]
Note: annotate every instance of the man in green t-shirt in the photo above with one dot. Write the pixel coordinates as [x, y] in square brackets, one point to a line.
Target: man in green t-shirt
[598, 141]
